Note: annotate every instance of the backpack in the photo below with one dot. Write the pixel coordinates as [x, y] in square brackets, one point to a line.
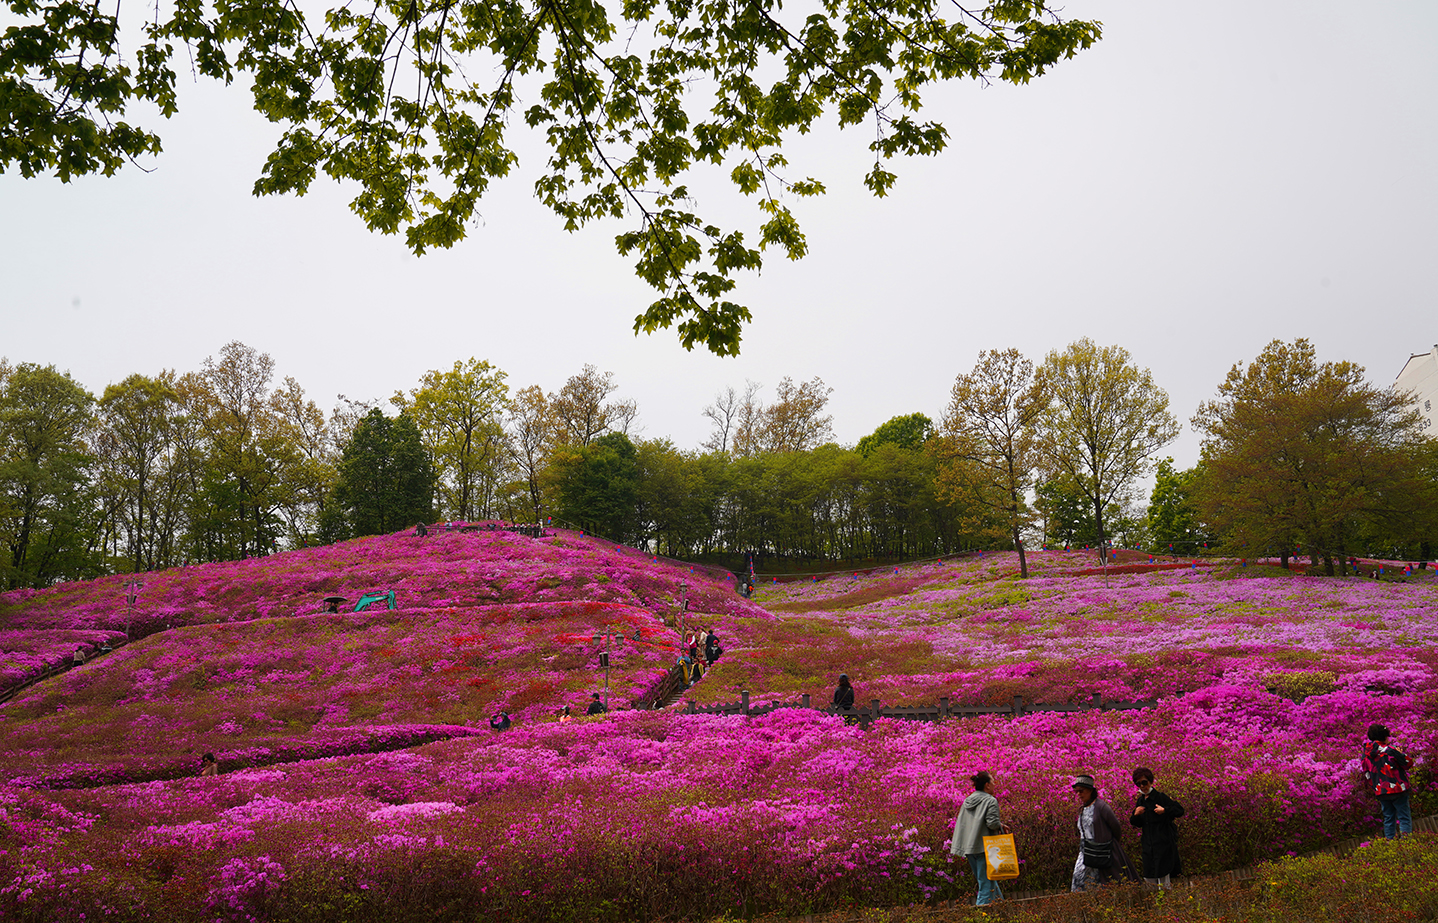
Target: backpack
[1386, 775]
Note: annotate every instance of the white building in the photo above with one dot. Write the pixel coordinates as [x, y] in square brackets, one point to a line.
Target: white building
[1420, 376]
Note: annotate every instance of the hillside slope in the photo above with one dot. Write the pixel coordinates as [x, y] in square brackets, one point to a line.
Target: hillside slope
[1264, 684]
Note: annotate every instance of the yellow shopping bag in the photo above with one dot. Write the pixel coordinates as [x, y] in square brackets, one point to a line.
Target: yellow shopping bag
[1002, 857]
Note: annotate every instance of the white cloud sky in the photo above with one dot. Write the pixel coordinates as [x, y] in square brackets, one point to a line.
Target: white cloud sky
[1205, 179]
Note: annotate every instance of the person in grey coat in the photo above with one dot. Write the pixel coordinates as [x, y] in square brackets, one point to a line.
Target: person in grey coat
[1101, 857]
[978, 818]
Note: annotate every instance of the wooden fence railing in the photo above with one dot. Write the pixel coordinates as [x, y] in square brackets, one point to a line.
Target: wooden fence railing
[866, 713]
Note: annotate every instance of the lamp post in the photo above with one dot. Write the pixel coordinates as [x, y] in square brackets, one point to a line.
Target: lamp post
[132, 589]
[683, 611]
[606, 635]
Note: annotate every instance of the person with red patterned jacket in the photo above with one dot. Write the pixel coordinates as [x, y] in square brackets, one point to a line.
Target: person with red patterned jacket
[1385, 769]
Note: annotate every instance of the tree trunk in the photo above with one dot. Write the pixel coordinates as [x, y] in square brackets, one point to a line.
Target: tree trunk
[1328, 563]
[1102, 538]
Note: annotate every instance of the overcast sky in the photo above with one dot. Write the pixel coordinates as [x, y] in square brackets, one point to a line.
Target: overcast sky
[1207, 178]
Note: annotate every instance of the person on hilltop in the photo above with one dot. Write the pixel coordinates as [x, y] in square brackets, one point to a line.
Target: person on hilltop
[844, 694]
[1385, 769]
[596, 707]
[1154, 814]
[421, 530]
[978, 818]
[1101, 857]
[500, 721]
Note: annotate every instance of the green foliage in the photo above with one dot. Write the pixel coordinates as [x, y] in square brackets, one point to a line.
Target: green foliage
[1387, 879]
[1067, 514]
[1300, 684]
[1298, 452]
[413, 105]
[1103, 421]
[1172, 517]
[906, 432]
[139, 467]
[459, 412]
[599, 487]
[386, 481]
[989, 444]
[44, 471]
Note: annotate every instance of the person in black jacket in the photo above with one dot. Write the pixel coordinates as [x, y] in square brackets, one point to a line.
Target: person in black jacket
[1154, 814]
[596, 707]
[844, 695]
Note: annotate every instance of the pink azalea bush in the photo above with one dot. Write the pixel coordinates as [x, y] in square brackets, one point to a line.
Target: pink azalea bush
[1264, 686]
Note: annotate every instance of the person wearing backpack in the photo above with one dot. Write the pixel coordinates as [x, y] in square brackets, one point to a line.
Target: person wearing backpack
[1385, 769]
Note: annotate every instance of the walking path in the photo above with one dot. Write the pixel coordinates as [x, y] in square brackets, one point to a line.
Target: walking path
[1341, 848]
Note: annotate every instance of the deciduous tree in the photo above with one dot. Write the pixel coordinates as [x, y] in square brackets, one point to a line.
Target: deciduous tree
[989, 441]
[581, 411]
[460, 414]
[415, 104]
[598, 487]
[531, 438]
[386, 481]
[1104, 419]
[45, 417]
[796, 420]
[259, 447]
[906, 432]
[134, 439]
[1295, 450]
[1172, 518]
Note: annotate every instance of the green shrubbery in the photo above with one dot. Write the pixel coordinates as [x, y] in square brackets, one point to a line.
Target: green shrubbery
[1384, 882]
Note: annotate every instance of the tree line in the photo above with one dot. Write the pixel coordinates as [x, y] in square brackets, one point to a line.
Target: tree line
[223, 463]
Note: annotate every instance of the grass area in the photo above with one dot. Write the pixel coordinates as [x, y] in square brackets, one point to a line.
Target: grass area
[1383, 882]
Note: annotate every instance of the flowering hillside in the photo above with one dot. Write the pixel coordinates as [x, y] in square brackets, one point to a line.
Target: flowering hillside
[377, 791]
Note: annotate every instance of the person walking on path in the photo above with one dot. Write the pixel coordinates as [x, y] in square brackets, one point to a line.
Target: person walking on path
[596, 707]
[564, 716]
[1154, 814]
[978, 818]
[1385, 768]
[1101, 857]
[844, 695]
[711, 647]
